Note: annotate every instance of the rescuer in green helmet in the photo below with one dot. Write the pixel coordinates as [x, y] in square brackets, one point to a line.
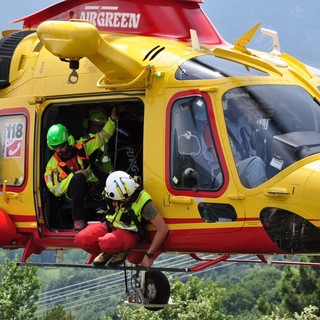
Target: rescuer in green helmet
[68, 172]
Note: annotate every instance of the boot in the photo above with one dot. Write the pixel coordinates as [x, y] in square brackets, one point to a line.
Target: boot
[118, 258]
[101, 259]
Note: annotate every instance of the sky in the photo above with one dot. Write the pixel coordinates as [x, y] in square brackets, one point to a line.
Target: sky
[15, 9]
[295, 20]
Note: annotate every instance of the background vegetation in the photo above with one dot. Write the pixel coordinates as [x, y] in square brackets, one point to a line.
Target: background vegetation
[226, 291]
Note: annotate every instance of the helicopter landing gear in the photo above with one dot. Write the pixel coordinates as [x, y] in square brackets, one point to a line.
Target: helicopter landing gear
[151, 290]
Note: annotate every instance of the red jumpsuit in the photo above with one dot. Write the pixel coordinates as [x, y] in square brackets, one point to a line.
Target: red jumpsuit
[96, 237]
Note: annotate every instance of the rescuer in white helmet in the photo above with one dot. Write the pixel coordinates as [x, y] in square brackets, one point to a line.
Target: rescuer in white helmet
[124, 227]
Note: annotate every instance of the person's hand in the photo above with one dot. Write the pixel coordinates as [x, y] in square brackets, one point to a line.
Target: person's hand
[146, 262]
[113, 115]
[84, 172]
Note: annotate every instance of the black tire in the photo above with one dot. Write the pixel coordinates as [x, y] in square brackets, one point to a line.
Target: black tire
[157, 289]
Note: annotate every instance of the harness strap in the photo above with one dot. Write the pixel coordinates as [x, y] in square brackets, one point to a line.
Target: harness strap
[72, 165]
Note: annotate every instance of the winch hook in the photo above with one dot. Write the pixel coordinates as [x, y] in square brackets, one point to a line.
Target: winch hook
[74, 76]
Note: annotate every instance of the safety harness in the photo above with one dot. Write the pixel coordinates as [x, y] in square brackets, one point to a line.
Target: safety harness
[127, 215]
[73, 164]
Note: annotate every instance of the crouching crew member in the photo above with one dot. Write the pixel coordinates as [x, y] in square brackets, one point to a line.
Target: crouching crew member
[111, 241]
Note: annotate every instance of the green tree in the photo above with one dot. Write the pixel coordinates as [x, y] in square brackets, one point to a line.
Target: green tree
[300, 287]
[308, 313]
[256, 294]
[74, 285]
[18, 291]
[193, 300]
[58, 313]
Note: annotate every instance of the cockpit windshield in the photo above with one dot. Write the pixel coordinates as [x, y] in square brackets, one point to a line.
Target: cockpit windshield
[270, 127]
[211, 67]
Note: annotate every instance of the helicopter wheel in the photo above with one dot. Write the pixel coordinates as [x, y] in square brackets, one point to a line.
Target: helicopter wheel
[157, 289]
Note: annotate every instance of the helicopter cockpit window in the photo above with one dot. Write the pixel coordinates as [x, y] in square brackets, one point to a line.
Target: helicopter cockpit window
[211, 67]
[194, 164]
[12, 137]
[270, 127]
[189, 144]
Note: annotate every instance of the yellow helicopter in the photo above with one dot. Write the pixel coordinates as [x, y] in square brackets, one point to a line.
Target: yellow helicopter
[182, 93]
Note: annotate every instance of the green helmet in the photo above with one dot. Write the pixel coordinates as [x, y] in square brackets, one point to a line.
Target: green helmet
[57, 134]
[96, 115]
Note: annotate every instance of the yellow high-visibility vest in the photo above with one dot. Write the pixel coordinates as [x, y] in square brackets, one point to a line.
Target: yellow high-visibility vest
[122, 219]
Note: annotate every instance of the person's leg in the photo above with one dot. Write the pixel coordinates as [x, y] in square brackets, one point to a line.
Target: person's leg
[77, 193]
[116, 247]
[252, 172]
[118, 240]
[88, 238]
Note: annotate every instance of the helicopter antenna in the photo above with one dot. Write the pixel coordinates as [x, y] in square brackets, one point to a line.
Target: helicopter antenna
[240, 44]
[275, 40]
[194, 40]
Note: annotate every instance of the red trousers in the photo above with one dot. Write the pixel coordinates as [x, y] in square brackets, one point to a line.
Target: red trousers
[95, 239]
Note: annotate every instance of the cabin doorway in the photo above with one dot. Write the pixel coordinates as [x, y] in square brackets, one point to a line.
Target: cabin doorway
[125, 150]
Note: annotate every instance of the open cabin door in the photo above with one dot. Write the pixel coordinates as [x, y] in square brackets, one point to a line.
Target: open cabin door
[124, 150]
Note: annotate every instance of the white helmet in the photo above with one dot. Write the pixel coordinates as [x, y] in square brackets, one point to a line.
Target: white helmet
[119, 185]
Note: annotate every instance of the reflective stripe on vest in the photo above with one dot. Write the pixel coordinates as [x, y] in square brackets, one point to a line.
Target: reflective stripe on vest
[80, 157]
[118, 218]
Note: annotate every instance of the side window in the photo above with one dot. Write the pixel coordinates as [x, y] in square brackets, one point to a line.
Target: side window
[12, 139]
[193, 158]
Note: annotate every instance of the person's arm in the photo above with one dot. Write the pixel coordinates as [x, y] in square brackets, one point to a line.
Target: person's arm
[51, 177]
[159, 237]
[109, 128]
[102, 137]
